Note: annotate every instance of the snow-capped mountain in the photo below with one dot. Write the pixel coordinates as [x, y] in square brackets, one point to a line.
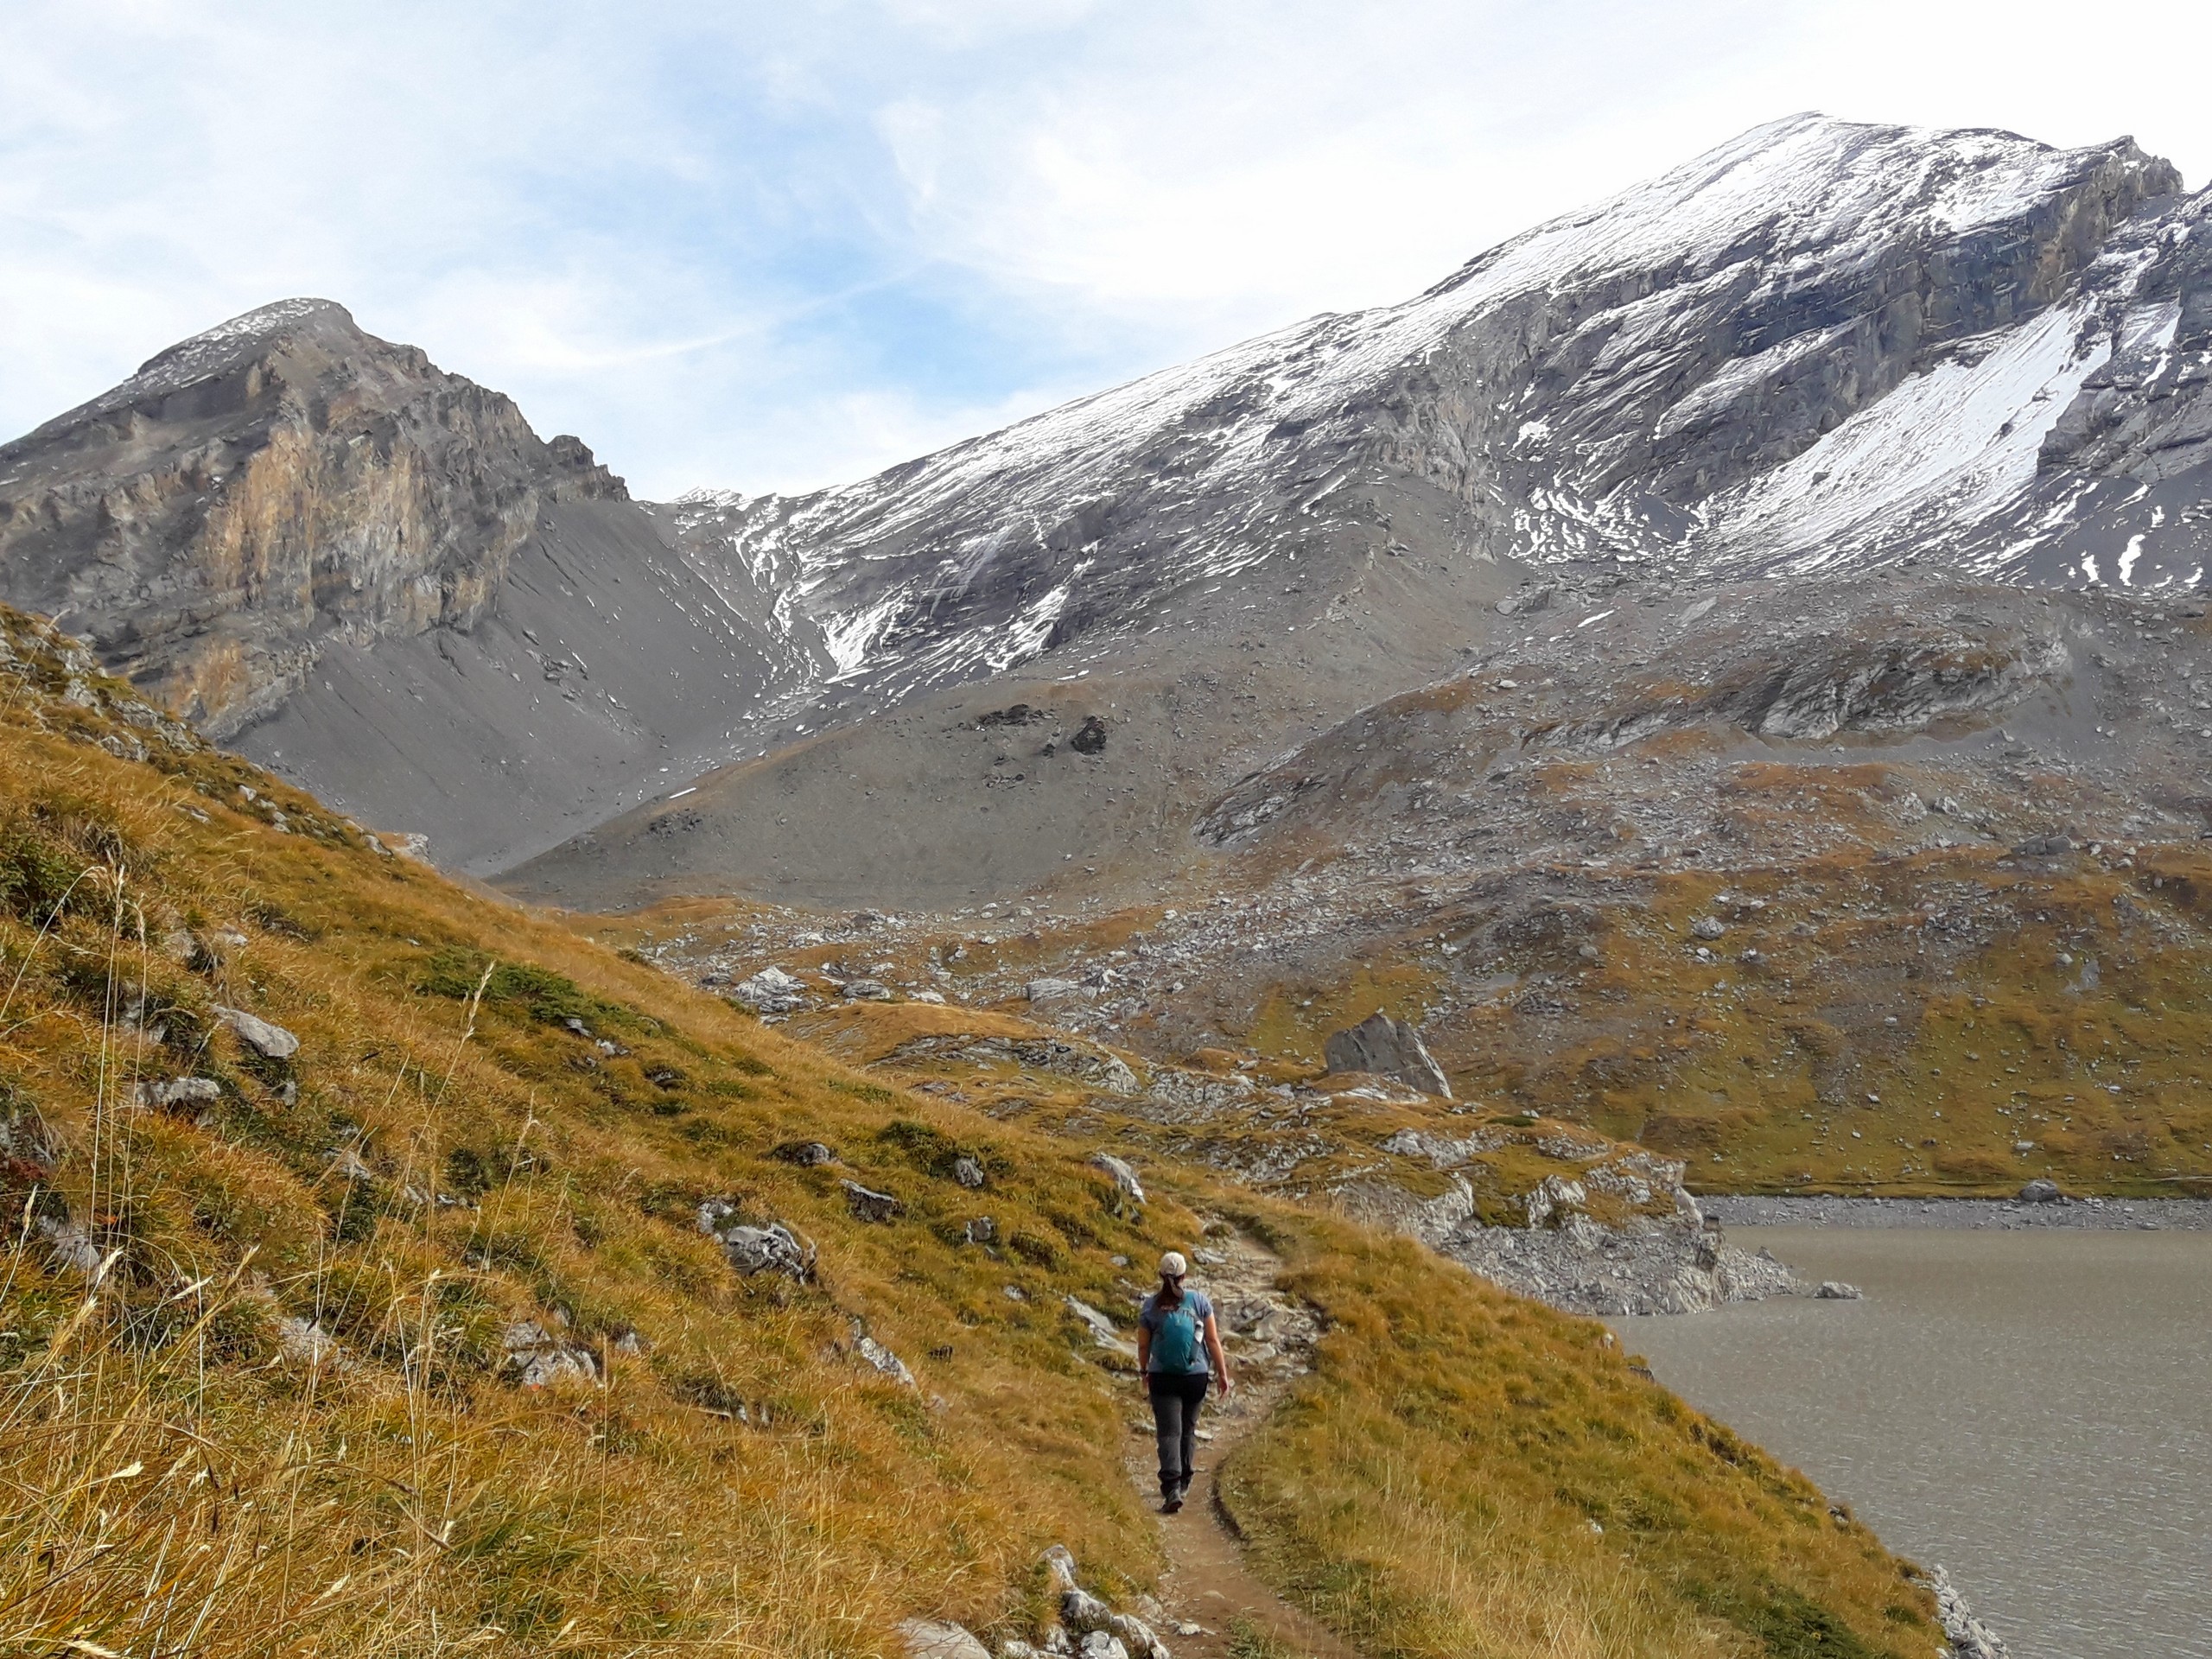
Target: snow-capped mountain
[1821, 349]
[1821, 344]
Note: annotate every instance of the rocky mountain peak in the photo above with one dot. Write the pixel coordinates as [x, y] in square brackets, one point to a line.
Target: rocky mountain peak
[279, 480]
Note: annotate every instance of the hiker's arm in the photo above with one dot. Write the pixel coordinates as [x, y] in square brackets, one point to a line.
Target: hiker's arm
[1220, 1359]
[1144, 1350]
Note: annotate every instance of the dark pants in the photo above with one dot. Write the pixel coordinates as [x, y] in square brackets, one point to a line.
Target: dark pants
[1175, 1402]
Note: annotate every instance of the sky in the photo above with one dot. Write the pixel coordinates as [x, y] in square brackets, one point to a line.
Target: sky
[775, 246]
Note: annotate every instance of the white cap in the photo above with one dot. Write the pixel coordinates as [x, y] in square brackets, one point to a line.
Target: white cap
[1172, 1266]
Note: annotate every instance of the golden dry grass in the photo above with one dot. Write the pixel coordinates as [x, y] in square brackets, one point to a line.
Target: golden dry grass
[255, 1396]
[1465, 1473]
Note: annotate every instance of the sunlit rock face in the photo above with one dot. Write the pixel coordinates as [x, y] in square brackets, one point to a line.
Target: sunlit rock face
[280, 478]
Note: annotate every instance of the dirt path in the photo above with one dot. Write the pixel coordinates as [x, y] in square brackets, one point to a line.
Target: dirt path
[1207, 1583]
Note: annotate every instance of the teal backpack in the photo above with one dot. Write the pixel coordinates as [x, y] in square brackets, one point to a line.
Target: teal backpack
[1175, 1345]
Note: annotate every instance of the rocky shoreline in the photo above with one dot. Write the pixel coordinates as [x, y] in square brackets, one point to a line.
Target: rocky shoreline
[2108, 1215]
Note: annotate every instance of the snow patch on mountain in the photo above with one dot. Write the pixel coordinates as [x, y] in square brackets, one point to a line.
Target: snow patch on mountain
[1946, 448]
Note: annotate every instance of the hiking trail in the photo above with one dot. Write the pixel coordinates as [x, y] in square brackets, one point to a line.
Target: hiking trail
[1207, 1583]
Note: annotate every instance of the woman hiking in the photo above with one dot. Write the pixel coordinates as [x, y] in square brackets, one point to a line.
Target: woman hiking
[1179, 1349]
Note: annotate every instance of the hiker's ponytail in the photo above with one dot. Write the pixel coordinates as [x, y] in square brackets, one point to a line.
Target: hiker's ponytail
[1171, 1291]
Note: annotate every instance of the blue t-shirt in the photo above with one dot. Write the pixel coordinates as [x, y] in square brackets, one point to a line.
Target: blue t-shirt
[1200, 1309]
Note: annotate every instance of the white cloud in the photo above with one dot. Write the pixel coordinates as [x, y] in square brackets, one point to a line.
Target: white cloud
[768, 243]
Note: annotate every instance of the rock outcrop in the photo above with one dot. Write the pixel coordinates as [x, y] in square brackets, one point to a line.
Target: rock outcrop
[281, 477]
[372, 576]
[1387, 1048]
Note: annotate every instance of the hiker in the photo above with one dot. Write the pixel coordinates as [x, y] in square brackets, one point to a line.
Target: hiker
[1178, 1350]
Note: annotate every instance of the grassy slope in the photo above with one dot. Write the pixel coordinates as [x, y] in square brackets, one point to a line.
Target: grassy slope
[183, 1479]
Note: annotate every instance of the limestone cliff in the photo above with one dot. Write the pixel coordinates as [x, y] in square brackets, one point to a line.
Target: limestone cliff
[261, 490]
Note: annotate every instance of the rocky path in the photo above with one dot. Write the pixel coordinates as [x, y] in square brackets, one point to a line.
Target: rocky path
[1209, 1595]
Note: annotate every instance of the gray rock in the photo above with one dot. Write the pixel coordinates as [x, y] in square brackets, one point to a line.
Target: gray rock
[1970, 1637]
[2041, 1192]
[1085, 1615]
[1101, 1328]
[770, 991]
[1128, 1191]
[968, 1173]
[1708, 927]
[981, 1230]
[305, 1340]
[1387, 1048]
[540, 1358]
[1049, 989]
[1835, 1290]
[867, 1204]
[881, 1357]
[927, 1639]
[1554, 1195]
[866, 990]
[271, 1042]
[182, 1091]
[1647, 1265]
[774, 1249]
[807, 1154]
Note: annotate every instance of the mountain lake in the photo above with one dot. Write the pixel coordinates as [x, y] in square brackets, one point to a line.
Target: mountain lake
[2030, 1409]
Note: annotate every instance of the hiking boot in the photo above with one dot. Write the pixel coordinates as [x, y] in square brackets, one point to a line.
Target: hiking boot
[1171, 1505]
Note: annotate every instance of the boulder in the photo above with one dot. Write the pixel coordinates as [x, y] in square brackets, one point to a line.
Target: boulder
[1835, 1290]
[774, 1249]
[881, 1357]
[539, 1358]
[807, 1154]
[867, 1204]
[1127, 1189]
[1708, 927]
[968, 1173]
[270, 1041]
[1387, 1048]
[770, 991]
[1049, 990]
[927, 1639]
[181, 1091]
[866, 990]
[1085, 1615]
[1101, 1328]
[2041, 1192]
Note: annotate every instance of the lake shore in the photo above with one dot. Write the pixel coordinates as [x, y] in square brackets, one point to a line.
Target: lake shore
[2005, 1215]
